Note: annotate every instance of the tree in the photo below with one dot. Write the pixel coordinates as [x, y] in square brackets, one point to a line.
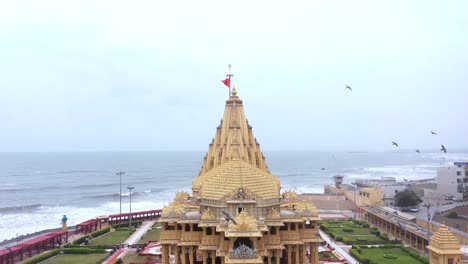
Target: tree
[407, 198]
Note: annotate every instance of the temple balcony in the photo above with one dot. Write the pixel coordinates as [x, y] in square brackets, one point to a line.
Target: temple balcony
[170, 235]
[290, 236]
[272, 239]
[192, 236]
[210, 240]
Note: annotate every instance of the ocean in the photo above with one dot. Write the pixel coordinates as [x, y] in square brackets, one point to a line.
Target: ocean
[37, 189]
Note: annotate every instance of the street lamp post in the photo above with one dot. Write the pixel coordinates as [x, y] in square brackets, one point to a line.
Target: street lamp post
[130, 216]
[428, 206]
[120, 173]
[355, 202]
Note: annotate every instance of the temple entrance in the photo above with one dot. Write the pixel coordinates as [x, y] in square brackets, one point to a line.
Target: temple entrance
[243, 241]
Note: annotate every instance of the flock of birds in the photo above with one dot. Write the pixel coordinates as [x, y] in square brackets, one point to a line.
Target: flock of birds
[443, 149]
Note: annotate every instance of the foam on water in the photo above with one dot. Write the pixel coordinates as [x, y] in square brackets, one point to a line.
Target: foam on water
[36, 190]
[47, 217]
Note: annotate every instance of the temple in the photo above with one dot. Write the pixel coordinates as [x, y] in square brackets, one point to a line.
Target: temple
[236, 212]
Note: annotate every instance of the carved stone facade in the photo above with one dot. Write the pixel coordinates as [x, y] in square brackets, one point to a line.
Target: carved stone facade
[237, 213]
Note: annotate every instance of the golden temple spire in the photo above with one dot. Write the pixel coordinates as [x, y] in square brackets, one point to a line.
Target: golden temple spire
[234, 138]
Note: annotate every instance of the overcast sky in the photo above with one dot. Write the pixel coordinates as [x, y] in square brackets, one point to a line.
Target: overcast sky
[145, 75]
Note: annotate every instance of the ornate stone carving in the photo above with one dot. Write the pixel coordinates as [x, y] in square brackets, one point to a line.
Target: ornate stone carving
[235, 153]
[245, 223]
[235, 136]
[207, 214]
[273, 213]
[241, 193]
[234, 117]
[243, 251]
[289, 194]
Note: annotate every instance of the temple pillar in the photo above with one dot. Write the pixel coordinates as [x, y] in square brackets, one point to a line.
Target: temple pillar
[316, 256]
[297, 253]
[204, 257]
[176, 256]
[191, 255]
[269, 257]
[288, 248]
[184, 255]
[213, 257]
[304, 253]
[278, 253]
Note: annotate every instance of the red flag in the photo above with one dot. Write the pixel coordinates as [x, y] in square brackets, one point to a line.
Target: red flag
[227, 82]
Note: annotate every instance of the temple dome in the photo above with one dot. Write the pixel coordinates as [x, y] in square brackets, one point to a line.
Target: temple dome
[232, 175]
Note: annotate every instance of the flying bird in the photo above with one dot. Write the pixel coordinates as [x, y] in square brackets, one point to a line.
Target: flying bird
[433, 133]
[323, 168]
[418, 151]
[394, 143]
[229, 218]
[405, 179]
[443, 149]
[348, 87]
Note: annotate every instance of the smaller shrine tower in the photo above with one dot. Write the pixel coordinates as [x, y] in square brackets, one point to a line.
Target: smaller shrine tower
[444, 247]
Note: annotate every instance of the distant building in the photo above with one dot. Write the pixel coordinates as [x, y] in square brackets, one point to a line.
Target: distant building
[388, 185]
[452, 180]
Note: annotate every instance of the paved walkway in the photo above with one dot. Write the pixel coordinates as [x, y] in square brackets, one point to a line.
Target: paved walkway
[133, 239]
[339, 248]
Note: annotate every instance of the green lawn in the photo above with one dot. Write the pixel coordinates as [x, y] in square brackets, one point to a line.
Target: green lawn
[133, 257]
[336, 227]
[113, 238]
[376, 255]
[327, 255]
[153, 234]
[76, 259]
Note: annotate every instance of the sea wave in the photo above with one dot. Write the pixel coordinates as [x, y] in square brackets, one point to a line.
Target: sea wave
[46, 217]
[20, 209]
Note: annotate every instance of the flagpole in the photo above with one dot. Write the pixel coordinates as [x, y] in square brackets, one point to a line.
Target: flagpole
[229, 75]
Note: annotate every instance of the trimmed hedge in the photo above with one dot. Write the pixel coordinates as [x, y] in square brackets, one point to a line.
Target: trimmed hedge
[452, 214]
[390, 256]
[383, 236]
[83, 250]
[356, 252]
[42, 257]
[126, 224]
[95, 234]
[347, 229]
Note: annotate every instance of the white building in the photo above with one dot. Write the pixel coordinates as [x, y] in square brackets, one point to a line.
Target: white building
[452, 180]
[388, 185]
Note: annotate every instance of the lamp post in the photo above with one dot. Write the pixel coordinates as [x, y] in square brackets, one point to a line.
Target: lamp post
[120, 173]
[130, 216]
[428, 206]
[355, 202]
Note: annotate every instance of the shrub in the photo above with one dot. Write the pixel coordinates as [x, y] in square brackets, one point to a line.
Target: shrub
[383, 236]
[126, 224]
[100, 232]
[339, 238]
[82, 250]
[348, 229]
[362, 238]
[390, 256]
[42, 257]
[452, 214]
[366, 225]
[118, 261]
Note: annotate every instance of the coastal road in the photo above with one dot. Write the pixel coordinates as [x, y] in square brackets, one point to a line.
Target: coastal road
[343, 252]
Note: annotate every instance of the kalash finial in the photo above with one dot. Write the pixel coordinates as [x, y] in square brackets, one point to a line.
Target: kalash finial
[234, 91]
